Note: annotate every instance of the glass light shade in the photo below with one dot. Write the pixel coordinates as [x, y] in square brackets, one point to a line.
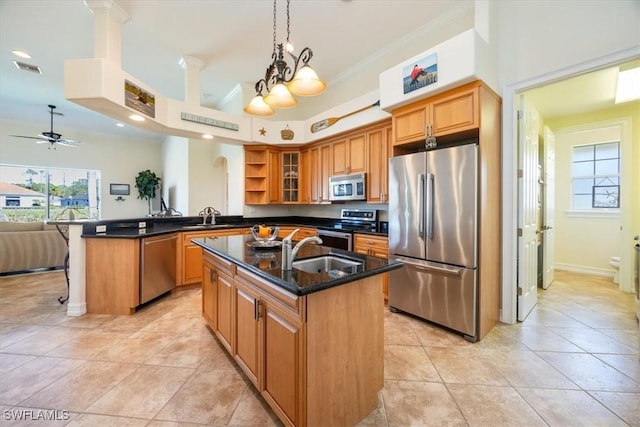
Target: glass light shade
[306, 83]
[280, 97]
[257, 107]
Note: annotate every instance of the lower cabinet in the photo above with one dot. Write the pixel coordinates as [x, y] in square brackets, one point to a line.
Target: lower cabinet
[316, 360]
[189, 267]
[377, 246]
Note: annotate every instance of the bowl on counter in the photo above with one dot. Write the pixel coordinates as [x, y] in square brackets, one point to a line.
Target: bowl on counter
[264, 233]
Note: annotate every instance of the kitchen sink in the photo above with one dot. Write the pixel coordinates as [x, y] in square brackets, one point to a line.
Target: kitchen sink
[201, 227]
[335, 266]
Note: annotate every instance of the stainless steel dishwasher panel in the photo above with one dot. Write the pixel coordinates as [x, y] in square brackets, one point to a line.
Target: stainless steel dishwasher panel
[157, 266]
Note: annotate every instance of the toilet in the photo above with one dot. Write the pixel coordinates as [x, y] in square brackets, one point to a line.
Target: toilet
[614, 262]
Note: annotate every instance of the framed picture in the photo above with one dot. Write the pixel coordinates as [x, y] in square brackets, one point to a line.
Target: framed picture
[421, 73]
[119, 189]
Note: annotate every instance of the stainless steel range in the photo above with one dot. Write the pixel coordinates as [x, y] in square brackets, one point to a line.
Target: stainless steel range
[351, 220]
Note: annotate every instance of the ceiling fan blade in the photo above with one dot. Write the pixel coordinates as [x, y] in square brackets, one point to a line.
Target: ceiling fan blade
[39, 138]
[68, 142]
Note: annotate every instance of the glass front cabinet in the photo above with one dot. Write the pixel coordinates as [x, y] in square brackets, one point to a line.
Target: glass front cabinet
[290, 177]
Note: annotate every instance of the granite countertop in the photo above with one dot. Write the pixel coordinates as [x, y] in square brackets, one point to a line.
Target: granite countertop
[128, 229]
[266, 263]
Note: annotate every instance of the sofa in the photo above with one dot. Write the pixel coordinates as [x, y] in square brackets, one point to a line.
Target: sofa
[29, 246]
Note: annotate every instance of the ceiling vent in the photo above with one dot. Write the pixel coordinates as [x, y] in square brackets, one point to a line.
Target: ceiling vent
[28, 67]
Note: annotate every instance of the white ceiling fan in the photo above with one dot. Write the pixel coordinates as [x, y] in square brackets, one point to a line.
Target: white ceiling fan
[52, 137]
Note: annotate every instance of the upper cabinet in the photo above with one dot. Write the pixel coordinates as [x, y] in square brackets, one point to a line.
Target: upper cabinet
[291, 177]
[379, 150]
[349, 155]
[256, 173]
[451, 112]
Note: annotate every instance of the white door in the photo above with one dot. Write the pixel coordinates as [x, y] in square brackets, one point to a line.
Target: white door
[527, 209]
[548, 222]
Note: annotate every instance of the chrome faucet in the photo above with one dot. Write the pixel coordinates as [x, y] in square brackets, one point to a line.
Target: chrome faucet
[209, 212]
[289, 254]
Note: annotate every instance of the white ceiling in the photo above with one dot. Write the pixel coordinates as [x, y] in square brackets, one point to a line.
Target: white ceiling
[232, 37]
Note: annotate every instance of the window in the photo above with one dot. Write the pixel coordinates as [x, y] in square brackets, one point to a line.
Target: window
[595, 174]
[35, 193]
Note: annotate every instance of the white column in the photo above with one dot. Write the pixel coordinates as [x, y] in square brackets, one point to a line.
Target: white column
[192, 67]
[108, 20]
[77, 304]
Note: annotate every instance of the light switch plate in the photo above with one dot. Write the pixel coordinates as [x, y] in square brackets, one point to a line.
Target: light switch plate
[101, 228]
[142, 224]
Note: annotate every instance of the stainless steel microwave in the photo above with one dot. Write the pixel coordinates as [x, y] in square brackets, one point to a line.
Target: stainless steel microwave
[347, 187]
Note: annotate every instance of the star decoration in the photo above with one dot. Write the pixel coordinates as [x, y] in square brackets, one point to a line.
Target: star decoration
[263, 132]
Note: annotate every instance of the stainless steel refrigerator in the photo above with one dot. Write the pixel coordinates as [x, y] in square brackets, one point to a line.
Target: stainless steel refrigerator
[433, 203]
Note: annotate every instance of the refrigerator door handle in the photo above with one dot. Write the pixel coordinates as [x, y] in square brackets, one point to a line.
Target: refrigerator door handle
[429, 206]
[421, 185]
[429, 266]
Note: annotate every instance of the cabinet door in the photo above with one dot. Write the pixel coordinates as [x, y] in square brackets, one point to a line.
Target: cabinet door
[290, 177]
[325, 172]
[283, 363]
[191, 263]
[378, 166]
[339, 158]
[314, 175]
[409, 124]
[455, 113]
[247, 330]
[225, 310]
[356, 155]
[210, 296]
[274, 177]
[304, 173]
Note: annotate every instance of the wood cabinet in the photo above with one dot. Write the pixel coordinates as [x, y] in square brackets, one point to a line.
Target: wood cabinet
[349, 155]
[217, 291]
[274, 194]
[316, 359]
[291, 177]
[377, 246]
[470, 111]
[305, 176]
[284, 231]
[256, 175]
[112, 275]
[451, 112]
[379, 150]
[189, 255]
[324, 173]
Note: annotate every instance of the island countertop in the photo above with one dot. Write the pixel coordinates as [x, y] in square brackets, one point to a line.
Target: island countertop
[266, 263]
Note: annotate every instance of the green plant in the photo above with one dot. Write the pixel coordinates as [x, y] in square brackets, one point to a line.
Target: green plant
[147, 182]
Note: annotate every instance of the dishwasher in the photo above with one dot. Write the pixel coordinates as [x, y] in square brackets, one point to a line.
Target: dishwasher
[157, 266]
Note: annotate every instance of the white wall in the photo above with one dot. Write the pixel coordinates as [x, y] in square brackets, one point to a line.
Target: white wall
[118, 159]
[175, 180]
[538, 37]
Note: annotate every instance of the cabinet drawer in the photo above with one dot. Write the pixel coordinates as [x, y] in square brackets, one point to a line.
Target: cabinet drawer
[293, 303]
[377, 243]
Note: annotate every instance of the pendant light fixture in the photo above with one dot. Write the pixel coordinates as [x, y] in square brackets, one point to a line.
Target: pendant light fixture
[281, 82]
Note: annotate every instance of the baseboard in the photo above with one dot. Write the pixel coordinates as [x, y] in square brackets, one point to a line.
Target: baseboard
[594, 271]
[76, 309]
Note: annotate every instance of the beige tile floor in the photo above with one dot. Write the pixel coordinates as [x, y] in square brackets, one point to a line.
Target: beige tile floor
[574, 361]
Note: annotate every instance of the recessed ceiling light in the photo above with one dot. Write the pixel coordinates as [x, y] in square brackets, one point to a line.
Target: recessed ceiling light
[628, 85]
[120, 125]
[207, 136]
[21, 54]
[136, 118]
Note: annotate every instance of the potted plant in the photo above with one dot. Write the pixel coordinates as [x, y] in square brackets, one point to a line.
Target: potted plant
[147, 182]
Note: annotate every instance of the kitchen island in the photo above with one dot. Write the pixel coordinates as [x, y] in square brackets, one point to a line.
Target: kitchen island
[311, 343]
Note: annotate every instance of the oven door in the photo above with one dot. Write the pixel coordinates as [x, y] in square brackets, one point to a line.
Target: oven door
[336, 239]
